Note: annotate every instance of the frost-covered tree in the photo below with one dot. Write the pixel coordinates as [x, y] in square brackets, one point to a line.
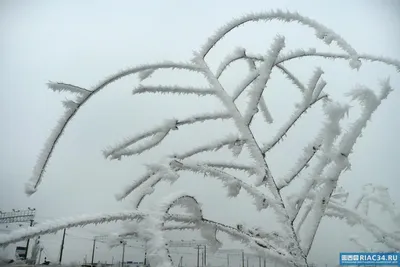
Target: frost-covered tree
[328, 152]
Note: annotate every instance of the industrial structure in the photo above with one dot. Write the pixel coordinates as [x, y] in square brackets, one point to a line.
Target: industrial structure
[21, 216]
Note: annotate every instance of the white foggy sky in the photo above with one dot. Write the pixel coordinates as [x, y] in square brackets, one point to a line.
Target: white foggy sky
[81, 42]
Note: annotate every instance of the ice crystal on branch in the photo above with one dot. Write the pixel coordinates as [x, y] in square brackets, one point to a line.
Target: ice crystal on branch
[328, 152]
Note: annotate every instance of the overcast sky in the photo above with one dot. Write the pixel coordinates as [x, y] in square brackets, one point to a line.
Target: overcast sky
[81, 42]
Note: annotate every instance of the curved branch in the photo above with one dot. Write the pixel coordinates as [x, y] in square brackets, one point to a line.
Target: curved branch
[193, 207]
[322, 32]
[157, 237]
[80, 221]
[120, 150]
[182, 199]
[146, 176]
[310, 53]
[366, 57]
[236, 55]
[41, 164]
[251, 77]
[55, 226]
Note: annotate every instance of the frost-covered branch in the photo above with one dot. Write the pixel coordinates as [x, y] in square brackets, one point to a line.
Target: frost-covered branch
[138, 182]
[378, 195]
[255, 152]
[300, 53]
[302, 163]
[303, 218]
[158, 172]
[322, 32]
[65, 87]
[370, 102]
[254, 149]
[264, 72]
[292, 77]
[54, 226]
[252, 76]
[232, 141]
[302, 109]
[158, 134]
[352, 218]
[228, 165]
[246, 134]
[142, 89]
[335, 112]
[47, 151]
[311, 95]
[366, 57]
[232, 183]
